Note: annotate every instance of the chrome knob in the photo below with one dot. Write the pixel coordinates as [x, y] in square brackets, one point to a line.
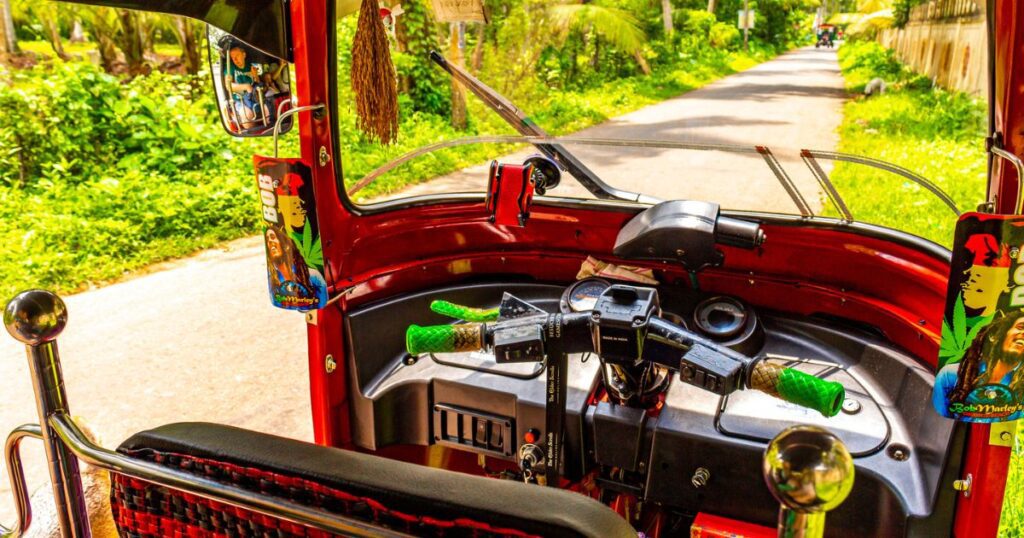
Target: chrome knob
[810, 472]
[36, 316]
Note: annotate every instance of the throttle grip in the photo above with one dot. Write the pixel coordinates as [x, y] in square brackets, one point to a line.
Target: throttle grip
[465, 313]
[444, 338]
[794, 386]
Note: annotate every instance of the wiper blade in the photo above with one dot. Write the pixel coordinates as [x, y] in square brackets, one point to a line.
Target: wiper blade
[526, 127]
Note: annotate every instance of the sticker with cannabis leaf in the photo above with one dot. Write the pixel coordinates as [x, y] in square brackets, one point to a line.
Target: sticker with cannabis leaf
[956, 338]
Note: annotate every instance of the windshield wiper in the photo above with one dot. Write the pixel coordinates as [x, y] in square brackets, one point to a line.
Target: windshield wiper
[526, 127]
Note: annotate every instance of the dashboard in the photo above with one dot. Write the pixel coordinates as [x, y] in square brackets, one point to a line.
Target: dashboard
[698, 452]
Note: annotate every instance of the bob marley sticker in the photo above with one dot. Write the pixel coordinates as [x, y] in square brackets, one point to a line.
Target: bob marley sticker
[295, 259]
[981, 357]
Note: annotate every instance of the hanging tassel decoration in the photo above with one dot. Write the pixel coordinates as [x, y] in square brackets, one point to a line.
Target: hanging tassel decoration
[373, 76]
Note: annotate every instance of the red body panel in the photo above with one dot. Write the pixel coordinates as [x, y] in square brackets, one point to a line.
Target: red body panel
[801, 269]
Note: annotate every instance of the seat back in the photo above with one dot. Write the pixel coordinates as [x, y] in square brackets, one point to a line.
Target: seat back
[389, 494]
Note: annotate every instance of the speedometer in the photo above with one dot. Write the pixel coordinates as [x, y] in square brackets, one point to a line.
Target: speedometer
[582, 296]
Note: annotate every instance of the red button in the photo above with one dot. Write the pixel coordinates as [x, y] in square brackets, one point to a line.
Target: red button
[531, 436]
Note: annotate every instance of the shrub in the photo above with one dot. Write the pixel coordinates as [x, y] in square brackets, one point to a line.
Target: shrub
[696, 22]
[723, 35]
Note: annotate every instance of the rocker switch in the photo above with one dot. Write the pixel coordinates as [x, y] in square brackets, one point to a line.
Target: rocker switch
[497, 443]
[480, 435]
[469, 429]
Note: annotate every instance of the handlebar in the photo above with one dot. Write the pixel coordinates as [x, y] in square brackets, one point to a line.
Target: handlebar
[787, 384]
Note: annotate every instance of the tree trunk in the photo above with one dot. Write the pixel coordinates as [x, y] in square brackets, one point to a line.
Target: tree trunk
[103, 30]
[188, 37]
[478, 51]
[8, 40]
[666, 16]
[459, 116]
[711, 6]
[132, 42]
[53, 35]
[642, 62]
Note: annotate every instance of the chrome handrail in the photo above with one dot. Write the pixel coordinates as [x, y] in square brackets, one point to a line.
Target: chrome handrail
[287, 113]
[1019, 166]
[84, 449]
[12, 455]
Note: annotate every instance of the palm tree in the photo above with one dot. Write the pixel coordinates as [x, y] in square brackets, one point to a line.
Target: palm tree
[617, 27]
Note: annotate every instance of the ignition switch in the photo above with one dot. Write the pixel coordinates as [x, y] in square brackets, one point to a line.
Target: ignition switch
[531, 462]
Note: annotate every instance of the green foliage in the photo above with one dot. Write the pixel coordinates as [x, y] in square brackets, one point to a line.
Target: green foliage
[426, 86]
[695, 22]
[862, 61]
[723, 36]
[616, 26]
[780, 22]
[1011, 524]
[901, 11]
[99, 177]
[932, 132]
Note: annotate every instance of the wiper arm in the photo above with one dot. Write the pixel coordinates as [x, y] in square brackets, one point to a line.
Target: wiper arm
[526, 127]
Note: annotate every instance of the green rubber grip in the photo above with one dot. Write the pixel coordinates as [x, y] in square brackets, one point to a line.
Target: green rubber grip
[825, 397]
[444, 338]
[464, 313]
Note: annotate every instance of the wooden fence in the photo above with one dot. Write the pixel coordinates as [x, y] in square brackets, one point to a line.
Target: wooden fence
[945, 40]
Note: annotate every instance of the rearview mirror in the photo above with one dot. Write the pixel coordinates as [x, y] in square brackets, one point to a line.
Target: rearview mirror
[253, 88]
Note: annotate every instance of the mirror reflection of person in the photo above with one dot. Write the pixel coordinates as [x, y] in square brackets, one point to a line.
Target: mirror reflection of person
[241, 78]
[995, 359]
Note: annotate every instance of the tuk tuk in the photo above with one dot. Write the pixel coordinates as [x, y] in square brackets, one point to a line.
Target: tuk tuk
[551, 355]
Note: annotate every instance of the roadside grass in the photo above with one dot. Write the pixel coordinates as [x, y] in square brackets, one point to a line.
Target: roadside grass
[1011, 524]
[934, 133]
[45, 50]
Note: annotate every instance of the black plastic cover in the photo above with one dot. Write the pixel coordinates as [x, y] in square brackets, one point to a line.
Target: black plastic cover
[682, 231]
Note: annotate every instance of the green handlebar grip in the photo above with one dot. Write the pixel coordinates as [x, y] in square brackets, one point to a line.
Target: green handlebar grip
[444, 338]
[464, 313]
[794, 386]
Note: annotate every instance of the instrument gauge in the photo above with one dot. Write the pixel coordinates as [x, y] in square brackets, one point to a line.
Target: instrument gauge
[583, 295]
[721, 318]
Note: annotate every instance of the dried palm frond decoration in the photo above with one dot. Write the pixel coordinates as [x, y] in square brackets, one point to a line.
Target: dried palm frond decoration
[373, 76]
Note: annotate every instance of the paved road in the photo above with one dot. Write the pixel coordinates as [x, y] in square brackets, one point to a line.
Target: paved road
[200, 341]
[787, 104]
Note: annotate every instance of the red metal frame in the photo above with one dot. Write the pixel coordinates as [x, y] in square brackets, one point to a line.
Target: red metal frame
[802, 269]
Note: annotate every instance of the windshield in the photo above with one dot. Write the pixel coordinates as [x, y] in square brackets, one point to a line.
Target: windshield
[802, 129]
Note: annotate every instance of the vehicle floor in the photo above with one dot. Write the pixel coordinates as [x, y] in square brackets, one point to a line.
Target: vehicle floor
[790, 103]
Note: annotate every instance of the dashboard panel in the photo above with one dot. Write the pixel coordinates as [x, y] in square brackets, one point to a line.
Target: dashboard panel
[903, 451]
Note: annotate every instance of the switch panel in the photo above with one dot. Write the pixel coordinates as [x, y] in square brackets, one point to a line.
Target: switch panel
[475, 431]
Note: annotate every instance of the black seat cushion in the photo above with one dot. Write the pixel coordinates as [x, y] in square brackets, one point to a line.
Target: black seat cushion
[406, 497]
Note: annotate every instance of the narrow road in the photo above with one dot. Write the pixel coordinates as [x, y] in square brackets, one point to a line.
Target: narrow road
[197, 340]
[787, 104]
